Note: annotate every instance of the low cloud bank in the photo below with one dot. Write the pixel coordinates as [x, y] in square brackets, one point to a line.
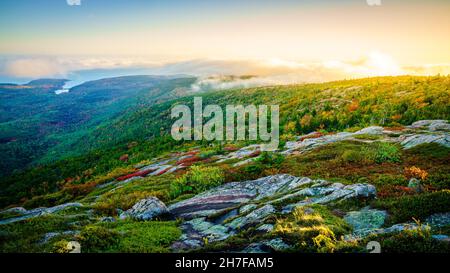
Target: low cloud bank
[214, 74]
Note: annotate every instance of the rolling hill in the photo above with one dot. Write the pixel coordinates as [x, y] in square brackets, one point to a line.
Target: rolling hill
[38, 126]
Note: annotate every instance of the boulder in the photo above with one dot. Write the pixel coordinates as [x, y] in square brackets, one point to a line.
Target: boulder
[335, 192]
[15, 210]
[415, 184]
[438, 219]
[108, 219]
[372, 130]
[251, 150]
[266, 246]
[247, 208]
[439, 126]
[254, 217]
[27, 214]
[265, 228]
[198, 231]
[441, 237]
[146, 209]
[372, 225]
[257, 248]
[365, 220]
[312, 143]
[205, 229]
[50, 235]
[235, 194]
[360, 234]
[228, 209]
[431, 125]
[410, 141]
[277, 244]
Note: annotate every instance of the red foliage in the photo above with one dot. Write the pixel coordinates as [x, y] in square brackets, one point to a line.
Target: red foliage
[255, 153]
[195, 152]
[163, 171]
[353, 106]
[395, 128]
[140, 173]
[69, 180]
[189, 160]
[395, 191]
[124, 158]
[230, 148]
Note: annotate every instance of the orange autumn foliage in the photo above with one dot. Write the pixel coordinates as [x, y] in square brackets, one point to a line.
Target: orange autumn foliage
[415, 172]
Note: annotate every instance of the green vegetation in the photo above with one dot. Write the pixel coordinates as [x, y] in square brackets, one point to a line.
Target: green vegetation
[405, 208]
[367, 137]
[198, 179]
[378, 152]
[270, 160]
[98, 238]
[27, 236]
[410, 241]
[313, 229]
[125, 197]
[384, 152]
[39, 127]
[129, 236]
[70, 164]
[431, 150]
[142, 132]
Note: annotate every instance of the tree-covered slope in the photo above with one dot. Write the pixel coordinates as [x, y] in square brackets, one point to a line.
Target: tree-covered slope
[143, 131]
[37, 125]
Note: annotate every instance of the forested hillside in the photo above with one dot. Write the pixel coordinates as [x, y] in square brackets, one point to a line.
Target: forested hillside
[142, 132]
[38, 126]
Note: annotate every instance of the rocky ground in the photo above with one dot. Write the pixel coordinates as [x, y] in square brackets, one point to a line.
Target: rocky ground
[259, 208]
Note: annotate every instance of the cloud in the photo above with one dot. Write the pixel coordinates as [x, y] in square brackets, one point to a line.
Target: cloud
[279, 72]
[33, 68]
[74, 2]
[214, 74]
[38, 67]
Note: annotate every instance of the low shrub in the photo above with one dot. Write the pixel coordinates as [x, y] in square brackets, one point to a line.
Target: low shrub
[254, 169]
[439, 180]
[97, 238]
[198, 179]
[26, 236]
[312, 229]
[207, 154]
[431, 150]
[110, 202]
[415, 172]
[404, 209]
[61, 247]
[384, 152]
[352, 156]
[390, 179]
[145, 237]
[129, 236]
[411, 241]
[367, 137]
[270, 159]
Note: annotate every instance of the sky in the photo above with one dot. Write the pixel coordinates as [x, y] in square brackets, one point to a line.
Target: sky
[322, 39]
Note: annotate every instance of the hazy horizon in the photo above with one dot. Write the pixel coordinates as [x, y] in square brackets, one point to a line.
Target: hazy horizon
[282, 41]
